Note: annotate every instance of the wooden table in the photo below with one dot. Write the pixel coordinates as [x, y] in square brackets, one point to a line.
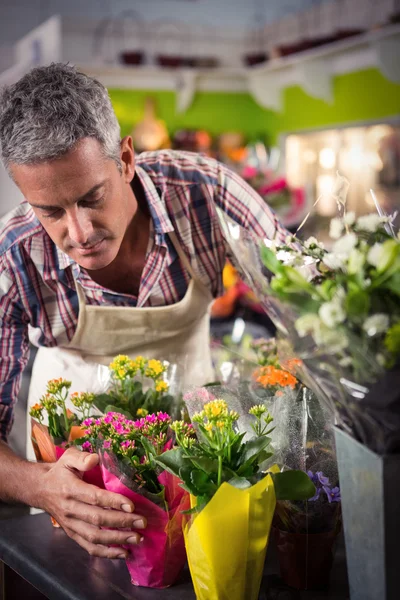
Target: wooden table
[39, 561]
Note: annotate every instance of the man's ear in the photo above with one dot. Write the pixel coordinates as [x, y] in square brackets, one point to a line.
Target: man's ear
[127, 159]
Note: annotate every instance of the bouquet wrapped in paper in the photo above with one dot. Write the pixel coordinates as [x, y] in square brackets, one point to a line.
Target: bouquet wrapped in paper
[128, 452]
[340, 310]
[232, 500]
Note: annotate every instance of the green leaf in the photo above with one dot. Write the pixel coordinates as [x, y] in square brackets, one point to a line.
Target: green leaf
[393, 284]
[112, 408]
[254, 447]
[148, 446]
[101, 401]
[172, 461]
[208, 465]
[293, 485]
[269, 259]
[357, 302]
[202, 482]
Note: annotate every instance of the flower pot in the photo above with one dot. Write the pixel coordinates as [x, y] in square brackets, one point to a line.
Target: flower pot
[369, 485]
[172, 62]
[132, 58]
[305, 560]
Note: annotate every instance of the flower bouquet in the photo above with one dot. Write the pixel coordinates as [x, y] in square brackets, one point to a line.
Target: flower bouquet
[63, 426]
[138, 387]
[341, 311]
[128, 452]
[233, 502]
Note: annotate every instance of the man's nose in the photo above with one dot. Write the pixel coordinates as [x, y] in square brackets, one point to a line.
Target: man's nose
[79, 228]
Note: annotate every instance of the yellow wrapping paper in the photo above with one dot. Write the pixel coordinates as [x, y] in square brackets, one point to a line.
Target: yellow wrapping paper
[227, 541]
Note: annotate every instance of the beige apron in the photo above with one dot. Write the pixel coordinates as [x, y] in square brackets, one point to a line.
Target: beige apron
[178, 333]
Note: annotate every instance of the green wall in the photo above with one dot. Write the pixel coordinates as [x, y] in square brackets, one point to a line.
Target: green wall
[364, 95]
[216, 112]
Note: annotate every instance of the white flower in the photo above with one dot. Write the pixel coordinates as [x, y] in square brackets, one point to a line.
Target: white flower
[331, 313]
[356, 261]
[289, 240]
[346, 361]
[312, 241]
[375, 254]
[284, 256]
[380, 359]
[345, 244]
[335, 228]
[308, 323]
[370, 222]
[349, 218]
[334, 340]
[333, 261]
[378, 323]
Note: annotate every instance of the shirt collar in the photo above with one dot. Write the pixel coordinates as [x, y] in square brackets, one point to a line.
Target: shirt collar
[156, 203]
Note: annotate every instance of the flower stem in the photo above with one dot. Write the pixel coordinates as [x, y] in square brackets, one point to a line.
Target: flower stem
[219, 470]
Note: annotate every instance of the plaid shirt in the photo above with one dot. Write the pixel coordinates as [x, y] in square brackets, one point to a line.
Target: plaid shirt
[38, 299]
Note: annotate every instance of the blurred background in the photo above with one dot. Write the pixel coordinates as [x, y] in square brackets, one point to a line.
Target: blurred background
[287, 93]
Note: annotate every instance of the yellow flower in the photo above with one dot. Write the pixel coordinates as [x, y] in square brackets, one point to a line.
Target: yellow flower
[140, 363]
[154, 369]
[36, 411]
[141, 412]
[220, 424]
[208, 427]
[162, 387]
[55, 386]
[216, 409]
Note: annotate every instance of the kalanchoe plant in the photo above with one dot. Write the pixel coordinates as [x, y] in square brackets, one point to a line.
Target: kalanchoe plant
[220, 455]
[53, 403]
[134, 443]
[137, 388]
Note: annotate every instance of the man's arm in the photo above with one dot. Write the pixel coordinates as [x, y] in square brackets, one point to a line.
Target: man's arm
[244, 206]
[81, 509]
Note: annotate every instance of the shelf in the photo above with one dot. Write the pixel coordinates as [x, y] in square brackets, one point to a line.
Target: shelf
[314, 69]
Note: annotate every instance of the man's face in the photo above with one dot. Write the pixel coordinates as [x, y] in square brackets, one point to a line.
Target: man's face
[82, 200]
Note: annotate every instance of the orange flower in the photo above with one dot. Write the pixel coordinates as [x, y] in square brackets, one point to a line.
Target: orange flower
[271, 376]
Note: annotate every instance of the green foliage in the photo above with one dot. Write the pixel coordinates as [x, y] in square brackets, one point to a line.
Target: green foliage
[221, 455]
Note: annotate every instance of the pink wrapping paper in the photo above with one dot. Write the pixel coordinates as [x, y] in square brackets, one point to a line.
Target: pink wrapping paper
[157, 561]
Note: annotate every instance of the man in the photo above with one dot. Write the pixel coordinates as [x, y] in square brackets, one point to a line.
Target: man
[106, 255]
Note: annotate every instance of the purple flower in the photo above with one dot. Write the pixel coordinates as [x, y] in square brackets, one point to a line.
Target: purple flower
[88, 422]
[322, 479]
[316, 496]
[333, 494]
[313, 477]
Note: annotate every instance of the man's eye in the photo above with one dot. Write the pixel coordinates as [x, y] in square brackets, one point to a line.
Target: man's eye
[91, 203]
[51, 215]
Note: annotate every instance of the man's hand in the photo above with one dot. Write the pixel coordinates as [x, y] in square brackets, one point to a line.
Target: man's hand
[82, 509]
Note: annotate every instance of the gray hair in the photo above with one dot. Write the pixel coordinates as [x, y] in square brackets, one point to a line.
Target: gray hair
[46, 112]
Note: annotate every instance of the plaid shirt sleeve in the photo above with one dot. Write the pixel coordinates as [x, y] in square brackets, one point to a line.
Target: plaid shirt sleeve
[242, 204]
[14, 348]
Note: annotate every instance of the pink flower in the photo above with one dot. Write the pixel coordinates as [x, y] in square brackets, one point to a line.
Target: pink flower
[88, 422]
[128, 444]
[107, 444]
[163, 417]
[87, 446]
